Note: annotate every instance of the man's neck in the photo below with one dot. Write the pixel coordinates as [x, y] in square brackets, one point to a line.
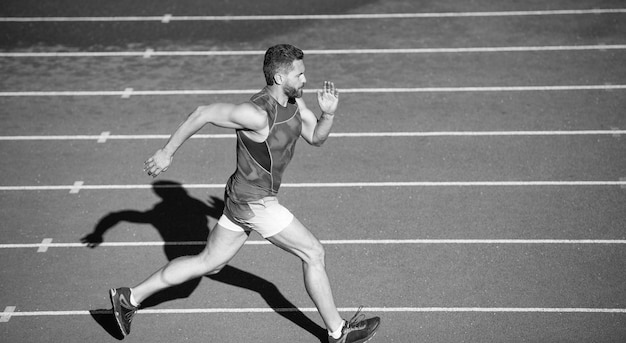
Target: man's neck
[278, 94]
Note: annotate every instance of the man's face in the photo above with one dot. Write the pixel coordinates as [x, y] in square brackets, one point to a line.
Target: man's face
[295, 80]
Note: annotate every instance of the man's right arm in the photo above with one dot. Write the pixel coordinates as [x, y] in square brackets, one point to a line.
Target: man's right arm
[245, 116]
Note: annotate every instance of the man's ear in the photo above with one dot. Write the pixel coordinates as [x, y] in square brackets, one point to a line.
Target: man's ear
[278, 78]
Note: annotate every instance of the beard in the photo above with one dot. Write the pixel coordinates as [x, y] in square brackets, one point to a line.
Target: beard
[293, 92]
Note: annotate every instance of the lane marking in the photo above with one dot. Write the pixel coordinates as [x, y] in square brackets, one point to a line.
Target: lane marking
[480, 89]
[106, 135]
[47, 243]
[78, 185]
[566, 310]
[128, 91]
[455, 184]
[64, 93]
[548, 48]
[478, 241]
[168, 17]
[153, 53]
[6, 315]
[617, 132]
[148, 53]
[75, 188]
[478, 133]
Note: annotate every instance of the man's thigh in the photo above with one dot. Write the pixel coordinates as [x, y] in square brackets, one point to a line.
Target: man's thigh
[223, 244]
[298, 240]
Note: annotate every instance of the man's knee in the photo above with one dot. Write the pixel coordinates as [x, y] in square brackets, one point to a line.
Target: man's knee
[209, 264]
[315, 253]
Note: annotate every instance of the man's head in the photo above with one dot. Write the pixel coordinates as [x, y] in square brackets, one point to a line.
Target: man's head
[283, 66]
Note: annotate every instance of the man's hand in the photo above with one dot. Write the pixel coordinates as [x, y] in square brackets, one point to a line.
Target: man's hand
[328, 98]
[158, 163]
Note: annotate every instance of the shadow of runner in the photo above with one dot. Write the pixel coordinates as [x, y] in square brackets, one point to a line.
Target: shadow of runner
[184, 219]
[107, 321]
[272, 296]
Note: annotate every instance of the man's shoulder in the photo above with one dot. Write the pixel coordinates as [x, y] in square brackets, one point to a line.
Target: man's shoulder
[251, 116]
[263, 102]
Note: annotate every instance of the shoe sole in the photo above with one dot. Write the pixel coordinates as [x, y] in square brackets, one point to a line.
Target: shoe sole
[368, 339]
[116, 312]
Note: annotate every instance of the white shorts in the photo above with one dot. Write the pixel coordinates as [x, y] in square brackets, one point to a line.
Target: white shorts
[265, 216]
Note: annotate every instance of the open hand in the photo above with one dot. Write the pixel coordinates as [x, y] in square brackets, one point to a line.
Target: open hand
[158, 163]
[328, 98]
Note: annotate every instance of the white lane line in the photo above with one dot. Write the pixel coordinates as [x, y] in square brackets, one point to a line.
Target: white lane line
[46, 244]
[148, 53]
[71, 137]
[75, 189]
[169, 18]
[166, 18]
[336, 185]
[455, 184]
[476, 241]
[64, 93]
[6, 315]
[613, 132]
[126, 92]
[105, 136]
[564, 310]
[481, 89]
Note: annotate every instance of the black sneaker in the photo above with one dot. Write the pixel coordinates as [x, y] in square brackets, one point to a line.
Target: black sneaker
[357, 330]
[122, 308]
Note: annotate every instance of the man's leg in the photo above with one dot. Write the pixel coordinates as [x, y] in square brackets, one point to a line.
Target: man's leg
[222, 245]
[298, 240]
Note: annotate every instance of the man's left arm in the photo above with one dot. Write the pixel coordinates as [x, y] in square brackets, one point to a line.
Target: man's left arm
[315, 131]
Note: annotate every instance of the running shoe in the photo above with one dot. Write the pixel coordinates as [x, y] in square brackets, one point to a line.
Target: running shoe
[357, 330]
[123, 310]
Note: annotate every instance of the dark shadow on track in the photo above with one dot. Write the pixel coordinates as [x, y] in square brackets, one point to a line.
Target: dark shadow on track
[182, 218]
[107, 321]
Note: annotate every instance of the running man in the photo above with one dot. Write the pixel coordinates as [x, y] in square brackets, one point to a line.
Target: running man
[267, 128]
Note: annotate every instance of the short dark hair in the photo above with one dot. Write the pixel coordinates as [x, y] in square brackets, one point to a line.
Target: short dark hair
[279, 58]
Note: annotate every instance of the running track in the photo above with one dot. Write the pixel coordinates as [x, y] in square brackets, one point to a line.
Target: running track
[473, 191]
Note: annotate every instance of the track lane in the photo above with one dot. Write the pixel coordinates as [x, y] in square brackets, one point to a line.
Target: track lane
[400, 159]
[491, 111]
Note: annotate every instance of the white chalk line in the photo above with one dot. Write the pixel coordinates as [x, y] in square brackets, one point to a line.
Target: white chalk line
[47, 244]
[76, 188]
[108, 136]
[167, 18]
[564, 310]
[148, 53]
[127, 93]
